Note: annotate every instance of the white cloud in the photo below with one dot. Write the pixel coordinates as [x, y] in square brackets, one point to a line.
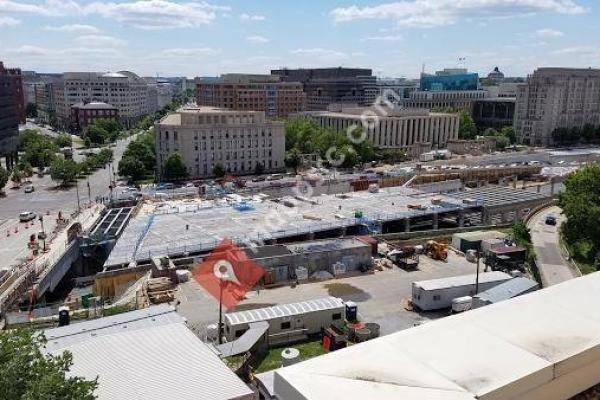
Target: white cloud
[99, 41]
[74, 28]
[320, 53]
[384, 38]
[30, 51]
[252, 17]
[429, 13]
[46, 8]
[190, 52]
[257, 39]
[584, 51]
[9, 21]
[549, 33]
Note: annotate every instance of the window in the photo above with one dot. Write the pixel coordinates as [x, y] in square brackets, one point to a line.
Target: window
[437, 297]
[336, 316]
[286, 325]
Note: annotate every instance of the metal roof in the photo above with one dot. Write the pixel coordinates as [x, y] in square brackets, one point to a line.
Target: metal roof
[492, 196]
[245, 342]
[283, 310]
[462, 280]
[544, 345]
[154, 362]
[508, 290]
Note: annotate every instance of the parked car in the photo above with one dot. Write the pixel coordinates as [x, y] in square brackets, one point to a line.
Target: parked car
[550, 219]
[26, 216]
[29, 189]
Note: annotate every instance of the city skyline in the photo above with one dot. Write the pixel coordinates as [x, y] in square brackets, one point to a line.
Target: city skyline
[191, 38]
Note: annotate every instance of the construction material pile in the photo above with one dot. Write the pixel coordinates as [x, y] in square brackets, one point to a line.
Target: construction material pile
[160, 290]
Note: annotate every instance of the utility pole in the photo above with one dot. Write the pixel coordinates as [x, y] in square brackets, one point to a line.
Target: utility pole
[77, 191]
[220, 311]
[89, 191]
[477, 274]
[43, 233]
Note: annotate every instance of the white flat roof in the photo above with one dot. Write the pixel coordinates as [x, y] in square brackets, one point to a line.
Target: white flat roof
[462, 280]
[542, 345]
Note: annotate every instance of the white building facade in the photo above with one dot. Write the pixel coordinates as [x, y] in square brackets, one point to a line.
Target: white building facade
[208, 136]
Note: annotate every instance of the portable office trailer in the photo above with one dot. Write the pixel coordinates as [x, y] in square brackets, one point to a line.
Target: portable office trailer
[288, 322]
[436, 294]
[504, 291]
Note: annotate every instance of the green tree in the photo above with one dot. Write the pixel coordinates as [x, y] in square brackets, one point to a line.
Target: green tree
[39, 150]
[112, 128]
[510, 133]
[63, 140]
[3, 178]
[132, 168]
[259, 169]
[580, 202]
[28, 373]
[96, 134]
[31, 110]
[64, 171]
[502, 142]
[490, 132]
[293, 159]
[466, 126]
[27, 170]
[588, 133]
[17, 176]
[218, 171]
[105, 156]
[174, 167]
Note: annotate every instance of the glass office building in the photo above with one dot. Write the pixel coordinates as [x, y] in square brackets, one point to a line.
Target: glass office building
[465, 81]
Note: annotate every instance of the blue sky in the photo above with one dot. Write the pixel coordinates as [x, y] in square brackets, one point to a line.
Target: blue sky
[199, 38]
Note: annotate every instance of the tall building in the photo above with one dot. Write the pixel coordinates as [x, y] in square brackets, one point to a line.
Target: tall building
[450, 79]
[325, 86]
[396, 90]
[397, 129]
[556, 98]
[44, 101]
[10, 86]
[208, 136]
[124, 90]
[245, 92]
[456, 99]
[496, 75]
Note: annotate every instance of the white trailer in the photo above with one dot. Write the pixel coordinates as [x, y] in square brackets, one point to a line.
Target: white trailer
[437, 294]
[288, 322]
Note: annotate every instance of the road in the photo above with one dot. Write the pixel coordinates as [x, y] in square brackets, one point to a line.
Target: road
[552, 264]
[47, 199]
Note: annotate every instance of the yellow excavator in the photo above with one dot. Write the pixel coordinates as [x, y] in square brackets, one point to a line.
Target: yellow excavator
[436, 250]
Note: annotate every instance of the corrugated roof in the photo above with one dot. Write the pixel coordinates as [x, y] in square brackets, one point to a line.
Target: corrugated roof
[283, 310]
[245, 342]
[508, 290]
[462, 280]
[154, 362]
[545, 345]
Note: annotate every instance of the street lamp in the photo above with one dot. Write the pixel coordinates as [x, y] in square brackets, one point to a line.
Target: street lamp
[77, 191]
[89, 191]
[43, 233]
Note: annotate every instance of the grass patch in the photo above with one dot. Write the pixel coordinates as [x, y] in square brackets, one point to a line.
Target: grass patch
[273, 358]
[114, 310]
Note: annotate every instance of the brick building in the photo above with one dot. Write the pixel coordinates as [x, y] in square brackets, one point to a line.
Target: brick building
[10, 87]
[85, 114]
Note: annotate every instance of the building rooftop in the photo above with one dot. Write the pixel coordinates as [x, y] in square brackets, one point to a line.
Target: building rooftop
[507, 290]
[542, 345]
[462, 280]
[94, 105]
[147, 359]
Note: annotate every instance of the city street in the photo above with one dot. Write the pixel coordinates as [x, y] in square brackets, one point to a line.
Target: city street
[553, 266]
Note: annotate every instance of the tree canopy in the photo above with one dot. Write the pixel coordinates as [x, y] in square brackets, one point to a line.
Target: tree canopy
[218, 170]
[466, 126]
[139, 159]
[174, 167]
[39, 150]
[3, 178]
[64, 171]
[28, 374]
[580, 202]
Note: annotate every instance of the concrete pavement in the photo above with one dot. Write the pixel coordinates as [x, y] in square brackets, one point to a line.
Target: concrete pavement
[552, 264]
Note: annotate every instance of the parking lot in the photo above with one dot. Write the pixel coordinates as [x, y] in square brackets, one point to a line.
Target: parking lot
[381, 296]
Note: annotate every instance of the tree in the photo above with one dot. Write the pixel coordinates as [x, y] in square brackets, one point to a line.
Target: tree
[132, 168]
[96, 134]
[174, 167]
[27, 170]
[502, 142]
[259, 169]
[63, 140]
[293, 159]
[580, 202]
[112, 128]
[218, 171]
[16, 176]
[490, 132]
[105, 156]
[510, 133]
[466, 126]
[3, 178]
[39, 150]
[31, 110]
[27, 373]
[588, 133]
[64, 171]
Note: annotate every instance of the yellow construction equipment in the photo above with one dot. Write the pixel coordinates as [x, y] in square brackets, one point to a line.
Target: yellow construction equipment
[437, 251]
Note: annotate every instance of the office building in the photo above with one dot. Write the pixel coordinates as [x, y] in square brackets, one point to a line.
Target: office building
[44, 101]
[85, 114]
[556, 98]
[208, 136]
[10, 86]
[496, 75]
[325, 86]
[494, 113]
[454, 79]
[124, 90]
[397, 129]
[245, 92]
[396, 91]
[455, 99]
[161, 92]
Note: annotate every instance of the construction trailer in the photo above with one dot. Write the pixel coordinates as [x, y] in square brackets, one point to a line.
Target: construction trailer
[504, 291]
[506, 258]
[436, 294]
[464, 241]
[288, 322]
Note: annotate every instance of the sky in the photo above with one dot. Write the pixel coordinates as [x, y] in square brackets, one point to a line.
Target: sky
[207, 38]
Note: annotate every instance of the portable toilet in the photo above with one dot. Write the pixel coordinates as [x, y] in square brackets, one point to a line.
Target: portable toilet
[351, 311]
[64, 317]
